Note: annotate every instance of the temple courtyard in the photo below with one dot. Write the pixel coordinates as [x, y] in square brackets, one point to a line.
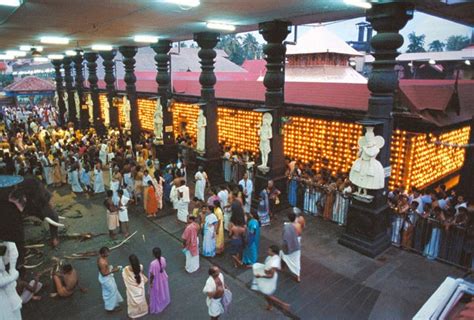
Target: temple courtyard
[337, 283]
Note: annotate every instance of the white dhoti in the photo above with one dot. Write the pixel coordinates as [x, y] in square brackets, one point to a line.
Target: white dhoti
[192, 262]
[215, 307]
[110, 293]
[48, 177]
[267, 286]
[293, 261]
[26, 295]
[183, 211]
[227, 215]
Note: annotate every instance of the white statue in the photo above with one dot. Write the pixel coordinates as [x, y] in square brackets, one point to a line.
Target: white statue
[66, 106]
[90, 108]
[126, 113]
[10, 301]
[265, 134]
[56, 100]
[106, 107]
[201, 132]
[367, 172]
[77, 102]
[158, 122]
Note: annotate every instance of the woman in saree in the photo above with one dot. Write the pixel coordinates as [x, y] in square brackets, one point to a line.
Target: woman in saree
[135, 280]
[209, 238]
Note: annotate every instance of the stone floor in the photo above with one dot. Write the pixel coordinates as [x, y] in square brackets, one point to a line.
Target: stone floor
[337, 283]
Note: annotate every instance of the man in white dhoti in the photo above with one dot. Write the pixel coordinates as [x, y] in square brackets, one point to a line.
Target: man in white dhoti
[191, 245]
[110, 293]
[98, 178]
[121, 202]
[47, 168]
[266, 277]
[214, 289]
[201, 181]
[247, 186]
[291, 253]
[74, 179]
[183, 202]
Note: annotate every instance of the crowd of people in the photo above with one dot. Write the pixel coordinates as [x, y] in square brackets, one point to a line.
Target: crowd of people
[435, 223]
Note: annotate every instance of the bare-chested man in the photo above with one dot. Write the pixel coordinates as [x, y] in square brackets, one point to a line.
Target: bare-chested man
[236, 234]
[66, 282]
[110, 293]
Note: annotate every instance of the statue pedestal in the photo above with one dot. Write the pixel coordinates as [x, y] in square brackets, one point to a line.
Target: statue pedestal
[166, 153]
[366, 230]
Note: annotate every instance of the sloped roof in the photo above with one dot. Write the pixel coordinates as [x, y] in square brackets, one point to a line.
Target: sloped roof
[258, 66]
[341, 74]
[186, 59]
[318, 39]
[30, 84]
[461, 55]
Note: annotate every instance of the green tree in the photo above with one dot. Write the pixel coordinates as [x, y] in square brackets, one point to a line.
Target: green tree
[436, 45]
[251, 47]
[456, 42]
[232, 45]
[416, 43]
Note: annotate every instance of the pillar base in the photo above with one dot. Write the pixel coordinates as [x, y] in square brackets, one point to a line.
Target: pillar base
[213, 168]
[366, 230]
[166, 153]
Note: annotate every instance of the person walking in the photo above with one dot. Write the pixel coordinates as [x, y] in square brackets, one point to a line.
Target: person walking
[250, 255]
[135, 280]
[191, 245]
[159, 288]
[214, 290]
[209, 238]
[110, 294]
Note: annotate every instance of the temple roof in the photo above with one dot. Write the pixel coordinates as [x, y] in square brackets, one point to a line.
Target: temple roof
[30, 84]
[318, 39]
[461, 55]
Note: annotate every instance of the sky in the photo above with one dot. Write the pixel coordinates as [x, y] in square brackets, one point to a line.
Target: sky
[433, 27]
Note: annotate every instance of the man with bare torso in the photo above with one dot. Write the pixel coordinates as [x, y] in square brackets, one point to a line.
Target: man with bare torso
[66, 282]
[110, 293]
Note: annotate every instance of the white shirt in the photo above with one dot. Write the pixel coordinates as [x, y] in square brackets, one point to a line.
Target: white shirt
[223, 197]
[185, 191]
[247, 185]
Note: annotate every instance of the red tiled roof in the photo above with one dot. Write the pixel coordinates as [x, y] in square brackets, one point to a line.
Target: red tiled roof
[428, 98]
[30, 84]
[255, 66]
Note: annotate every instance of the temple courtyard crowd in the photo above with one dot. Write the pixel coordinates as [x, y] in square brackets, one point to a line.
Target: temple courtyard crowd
[218, 218]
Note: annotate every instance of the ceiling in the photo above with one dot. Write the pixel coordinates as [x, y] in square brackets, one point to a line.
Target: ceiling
[87, 22]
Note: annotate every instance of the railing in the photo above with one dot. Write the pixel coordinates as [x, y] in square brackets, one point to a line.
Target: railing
[233, 171]
[434, 240]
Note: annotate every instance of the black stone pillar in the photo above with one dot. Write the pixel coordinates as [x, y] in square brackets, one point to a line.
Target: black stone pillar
[128, 53]
[83, 113]
[211, 160]
[274, 33]
[169, 149]
[68, 79]
[60, 90]
[466, 183]
[367, 224]
[109, 78]
[91, 58]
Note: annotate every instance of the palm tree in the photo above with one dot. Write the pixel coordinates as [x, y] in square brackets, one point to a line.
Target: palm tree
[436, 46]
[251, 47]
[232, 45]
[456, 43]
[417, 43]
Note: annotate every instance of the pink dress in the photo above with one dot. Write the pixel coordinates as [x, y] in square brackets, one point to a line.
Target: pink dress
[159, 290]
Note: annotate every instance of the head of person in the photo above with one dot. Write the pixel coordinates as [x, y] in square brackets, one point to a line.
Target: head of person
[291, 216]
[120, 192]
[214, 271]
[414, 205]
[157, 253]
[270, 184]
[182, 183]
[217, 204]
[67, 268]
[273, 250]
[191, 218]
[460, 198]
[145, 173]
[104, 252]
[210, 208]
[150, 184]
[246, 175]
[200, 168]
[136, 268]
